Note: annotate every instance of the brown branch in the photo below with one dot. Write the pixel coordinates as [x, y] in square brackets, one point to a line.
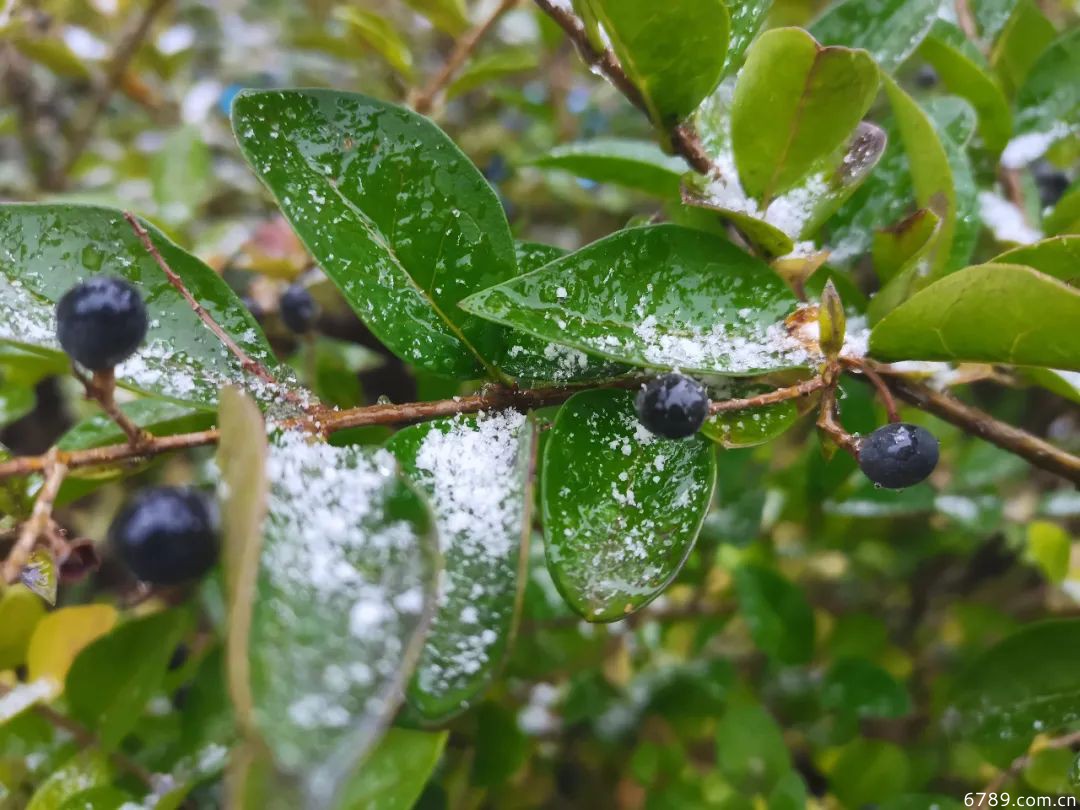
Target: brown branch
[35, 526]
[425, 99]
[87, 739]
[829, 424]
[250, 365]
[779, 395]
[125, 51]
[683, 139]
[1034, 450]
[102, 388]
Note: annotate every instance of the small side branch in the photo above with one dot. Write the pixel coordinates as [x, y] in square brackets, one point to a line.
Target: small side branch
[102, 388]
[879, 384]
[425, 99]
[1034, 450]
[802, 389]
[38, 523]
[829, 424]
[682, 137]
[114, 72]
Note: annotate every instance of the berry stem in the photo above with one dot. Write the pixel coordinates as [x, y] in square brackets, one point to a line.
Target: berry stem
[250, 365]
[860, 366]
[802, 389]
[423, 100]
[36, 525]
[830, 425]
[102, 387]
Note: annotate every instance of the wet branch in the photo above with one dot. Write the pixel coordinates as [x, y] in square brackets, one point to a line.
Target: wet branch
[102, 388]
[35, 527]
[683, 138]
[425, 99]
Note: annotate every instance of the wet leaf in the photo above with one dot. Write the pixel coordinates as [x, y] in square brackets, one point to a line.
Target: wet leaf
[750, 749]
[656, 296]
[180, 173]
[15, 401]
[1045, 104]
[450, 16]
[898, 247]
[1024, 37]
[1058, 256]
[890, 30]
[859, 687]
[475, 474]
[377, 31]
[20, 611]
[342, 600]
[112, 679]
[635, 164]
[395, 773]
[747, 17]
[674, 52]
[49, 248]
[621, 507]
[749, 427]
[1064, 217]
[40, 574]
[492, 67]
[394, 213]
[1031, 313]
[1000, 695]
[813, 98]
[84, 770]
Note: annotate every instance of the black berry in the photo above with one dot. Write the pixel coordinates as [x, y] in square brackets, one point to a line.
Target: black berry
[926, 77]
[1051, 182]
[101, 322]
[673, 406]
[898, 455]
[298, 309]
[167, 535]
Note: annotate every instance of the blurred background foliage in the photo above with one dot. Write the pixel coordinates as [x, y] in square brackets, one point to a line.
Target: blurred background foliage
[810, 652]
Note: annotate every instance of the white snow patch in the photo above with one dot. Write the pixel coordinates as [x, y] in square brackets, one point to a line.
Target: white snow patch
[1023, 149]
[1005, 220]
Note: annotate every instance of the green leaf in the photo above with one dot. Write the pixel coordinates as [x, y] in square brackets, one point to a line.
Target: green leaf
[789, 793]
[84, 770]
[534, 361]
[657, 296]
[963, 70]
[378, 33]
[180, 174]
[475, 474]
[1001, 695]
[1064, 217]
[394, 774]
[493, 66]
[1063, 383]
[812, 97]
[1046, 104]
[342, 600]
[673, 52]
[61, 635]
[158, 416]
[52, 52]
[450, 16]
[102, 797]
[747, 17]
[49, 248]
[890, 30]
[1033, 317]
[902, 245]
[1058, 256]
[1048, 546]
[991, 16]
[863, 689]
[20, 611]
[634, 164]
[112, 679]
[868, 771]
[15, 401]
[621, 507]
[394, 213]
[750, 747]
[780, 619]
[1024, 37]
[920, 801]
[751, 426]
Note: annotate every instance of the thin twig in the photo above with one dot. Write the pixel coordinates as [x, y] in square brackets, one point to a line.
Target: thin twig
[1034, 450]
[1021, 762]
[830, 425]
[250, 365]
[87, 739]
[491, 398]
[779, 395]
[879, 384]
[35, 526]
[425, 99]
[114, 72]
[102, 388]
[683, 139]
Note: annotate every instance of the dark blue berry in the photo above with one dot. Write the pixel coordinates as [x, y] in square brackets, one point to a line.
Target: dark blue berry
[673, 406]
[898, 455]
[1051, 182]
[926, 77]
[101, 322]
[167, 535]
[298, 309]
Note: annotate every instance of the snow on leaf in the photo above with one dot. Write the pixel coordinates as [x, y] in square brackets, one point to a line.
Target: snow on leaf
[475, 474]
[343, 597]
